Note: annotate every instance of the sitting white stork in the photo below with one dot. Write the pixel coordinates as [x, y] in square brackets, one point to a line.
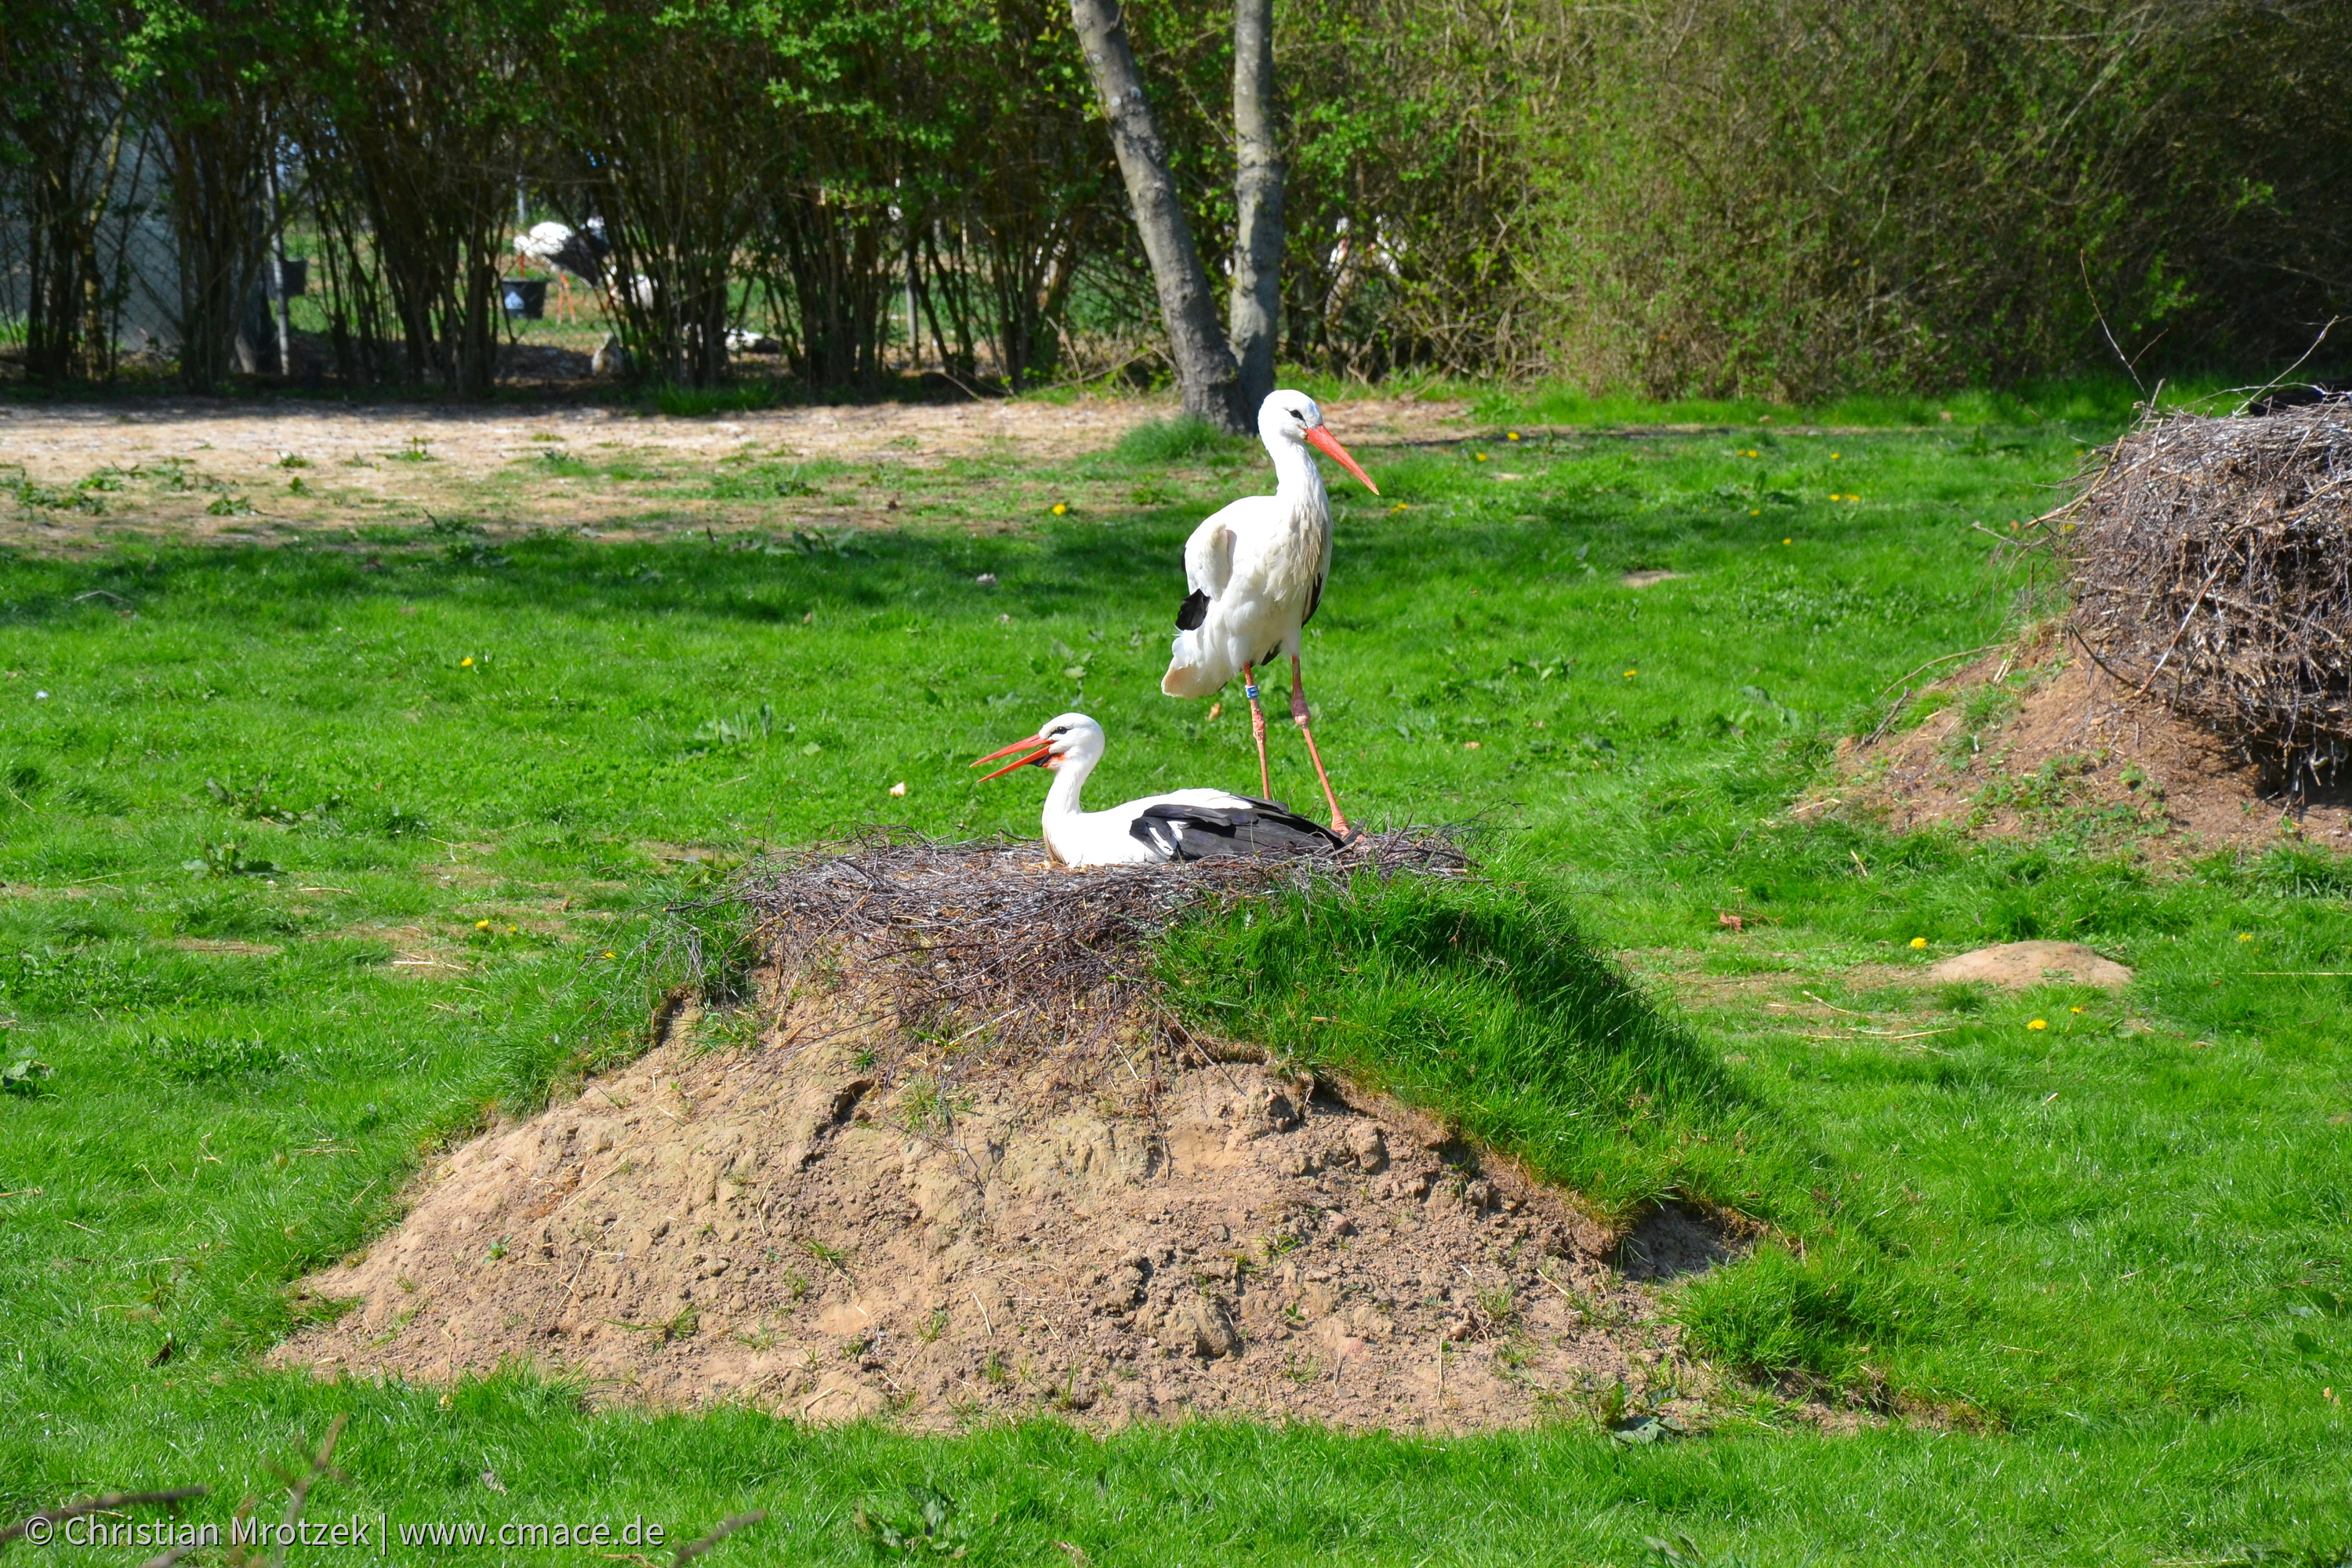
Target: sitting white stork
[1256, 570]
[1183, 824]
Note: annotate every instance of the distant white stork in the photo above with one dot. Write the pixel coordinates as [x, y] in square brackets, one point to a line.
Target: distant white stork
[572, 253]
[1256, 571]
[1183, 825]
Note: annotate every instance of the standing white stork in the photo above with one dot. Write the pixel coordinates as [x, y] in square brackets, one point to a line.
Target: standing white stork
[1256, 571]
[571, 253]
[1183, 825]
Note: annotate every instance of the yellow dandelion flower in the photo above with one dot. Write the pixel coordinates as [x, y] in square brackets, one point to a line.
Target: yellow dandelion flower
[611, 955]
[2039, 1024]
[2074, 1009]
[1481, 457]
[514, 930]
[1510, 435]
[466, 662]
[482, 925]
[1918, 942]
[1788, 541]
[2245, 936]
[1061, 509]
[1630, 673]
[1756, 511]
[1832, 457]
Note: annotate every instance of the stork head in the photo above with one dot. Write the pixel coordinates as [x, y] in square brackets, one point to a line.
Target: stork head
[1292, 418]
[1070, 738]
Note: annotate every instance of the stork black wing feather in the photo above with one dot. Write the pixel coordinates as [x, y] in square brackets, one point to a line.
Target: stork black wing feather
[1192, 612]
[578, 256]
[1254, 828]
[1166, 838]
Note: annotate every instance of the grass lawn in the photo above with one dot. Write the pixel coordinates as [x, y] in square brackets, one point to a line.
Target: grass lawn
[317, 856]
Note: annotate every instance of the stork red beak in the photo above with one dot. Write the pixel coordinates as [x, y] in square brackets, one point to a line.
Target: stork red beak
[1325, 443]
[1044, 748]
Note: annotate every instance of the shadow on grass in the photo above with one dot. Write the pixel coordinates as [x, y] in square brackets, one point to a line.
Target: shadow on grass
[1124, 567]
[1487, 1005]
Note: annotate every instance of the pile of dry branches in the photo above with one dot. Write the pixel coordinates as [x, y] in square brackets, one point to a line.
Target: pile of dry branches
[2212, 570]
[955, 941]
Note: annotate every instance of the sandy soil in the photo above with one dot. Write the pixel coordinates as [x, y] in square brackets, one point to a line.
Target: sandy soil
[2078, 748]
[180, 459]
[1116, 1237]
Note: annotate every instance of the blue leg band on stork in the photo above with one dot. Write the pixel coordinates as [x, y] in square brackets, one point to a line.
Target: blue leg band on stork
[1250, 692]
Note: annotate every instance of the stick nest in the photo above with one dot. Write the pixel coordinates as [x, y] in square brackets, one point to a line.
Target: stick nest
[2212, 569]
[986, 939]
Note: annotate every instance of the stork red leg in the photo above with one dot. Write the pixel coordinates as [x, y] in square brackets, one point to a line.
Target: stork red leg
[1298, 713]
[1257, 728]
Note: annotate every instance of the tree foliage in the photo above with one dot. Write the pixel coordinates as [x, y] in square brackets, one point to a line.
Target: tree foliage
[1786, 196]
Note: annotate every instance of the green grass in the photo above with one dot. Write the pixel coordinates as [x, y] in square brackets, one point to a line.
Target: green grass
[311, 865]
[1186, 437]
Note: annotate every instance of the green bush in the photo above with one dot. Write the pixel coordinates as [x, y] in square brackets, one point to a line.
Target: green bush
[1808, 195]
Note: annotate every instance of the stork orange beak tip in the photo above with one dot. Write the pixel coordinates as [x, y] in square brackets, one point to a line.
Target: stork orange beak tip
[1037, 741]
[1329, 444]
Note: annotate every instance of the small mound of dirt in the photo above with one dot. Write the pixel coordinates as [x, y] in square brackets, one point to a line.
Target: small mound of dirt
[836, 1217]
[2021, 965]
[2031, 741]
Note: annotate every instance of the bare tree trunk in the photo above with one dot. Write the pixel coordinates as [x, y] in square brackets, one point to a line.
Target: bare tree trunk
[1205, 373]
[1257, 191]
[274, 265]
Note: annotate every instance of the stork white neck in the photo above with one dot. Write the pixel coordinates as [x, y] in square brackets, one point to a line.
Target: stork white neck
[1297, 480]
[1063, 811]
[1069, 778]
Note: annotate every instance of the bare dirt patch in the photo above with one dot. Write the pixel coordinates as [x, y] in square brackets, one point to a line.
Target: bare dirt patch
[814, 1223]
[2029, 740]
[203, 469]
[1672, 1243]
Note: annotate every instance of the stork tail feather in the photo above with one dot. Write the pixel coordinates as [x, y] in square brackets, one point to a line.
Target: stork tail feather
[1193, 670]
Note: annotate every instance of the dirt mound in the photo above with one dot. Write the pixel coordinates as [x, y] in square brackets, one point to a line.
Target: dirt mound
[2023, 965]
[806, 1205]
[2031, 741]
